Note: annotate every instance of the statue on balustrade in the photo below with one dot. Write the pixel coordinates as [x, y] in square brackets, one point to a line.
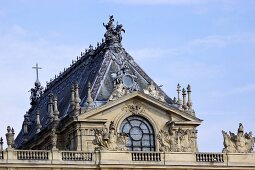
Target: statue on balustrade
[240, 143]
[109, 139]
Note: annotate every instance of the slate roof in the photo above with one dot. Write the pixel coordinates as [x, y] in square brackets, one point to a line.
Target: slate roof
[94, 66]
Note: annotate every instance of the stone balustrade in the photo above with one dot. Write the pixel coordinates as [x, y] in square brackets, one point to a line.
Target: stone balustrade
[209, 157]
[76, 156]
[146, 156]
[32, 155]
[104, 159]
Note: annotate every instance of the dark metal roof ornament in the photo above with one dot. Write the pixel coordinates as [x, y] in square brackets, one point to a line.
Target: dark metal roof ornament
[113, 34]
[37, 91]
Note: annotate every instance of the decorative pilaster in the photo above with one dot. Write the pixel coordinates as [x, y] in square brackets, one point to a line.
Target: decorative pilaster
[184, 105]
[38, 123]
[50, 108]
[77, 98]
[72, 102]
[55, 108]
[89, 101]
[1, 144]
[189, 103]
[10, 137]
[179, 101]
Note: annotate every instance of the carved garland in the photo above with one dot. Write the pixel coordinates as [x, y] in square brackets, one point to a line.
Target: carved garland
[135, 109]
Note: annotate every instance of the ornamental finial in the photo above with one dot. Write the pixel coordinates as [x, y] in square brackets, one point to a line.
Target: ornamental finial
[89, 101]
[184, 104]
[77, 97]
[55, 108]
[38, 122]
[72, 102]
[189, 103]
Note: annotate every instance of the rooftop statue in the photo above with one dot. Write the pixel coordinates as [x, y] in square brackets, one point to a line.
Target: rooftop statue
[37, 91]
[113, 34]
[153, 91]
[240, 143]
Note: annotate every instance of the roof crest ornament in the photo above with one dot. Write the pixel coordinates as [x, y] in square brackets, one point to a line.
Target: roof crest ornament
[113, 33]
[37, 91]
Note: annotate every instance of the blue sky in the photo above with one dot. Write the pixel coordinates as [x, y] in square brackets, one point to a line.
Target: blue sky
[208, 44]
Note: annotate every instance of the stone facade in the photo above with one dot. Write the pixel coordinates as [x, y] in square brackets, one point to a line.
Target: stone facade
[104, 112]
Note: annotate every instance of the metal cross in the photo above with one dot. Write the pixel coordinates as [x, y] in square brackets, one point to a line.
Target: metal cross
[37, 68]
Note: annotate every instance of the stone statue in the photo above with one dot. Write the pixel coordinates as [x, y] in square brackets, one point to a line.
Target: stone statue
[153, 91]
[240, 143]
[124, 82]
[118, 91]
[179, 140]
[109, 139]
[36, 93]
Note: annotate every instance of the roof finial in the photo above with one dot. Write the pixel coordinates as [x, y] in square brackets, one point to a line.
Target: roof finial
[55, 107]
[37, 73]
[189, 103]
[37, 91]
[50, 107]
[72, 102]
[77, 97]
[38, 123]
[184, 104]
[179, 100]
[89, 101]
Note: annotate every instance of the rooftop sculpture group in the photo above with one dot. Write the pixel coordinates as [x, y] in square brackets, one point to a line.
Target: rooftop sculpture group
[240, 143]
[113, 34]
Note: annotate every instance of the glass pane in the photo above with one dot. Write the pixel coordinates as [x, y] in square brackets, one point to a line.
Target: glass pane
[146, 137]
[126, 128]
[135, 122]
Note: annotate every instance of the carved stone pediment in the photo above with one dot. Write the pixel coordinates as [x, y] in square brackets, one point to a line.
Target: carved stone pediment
[109, 139]
[240, 143]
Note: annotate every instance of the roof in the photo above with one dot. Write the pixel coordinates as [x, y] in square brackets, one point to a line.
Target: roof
[97, 66]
